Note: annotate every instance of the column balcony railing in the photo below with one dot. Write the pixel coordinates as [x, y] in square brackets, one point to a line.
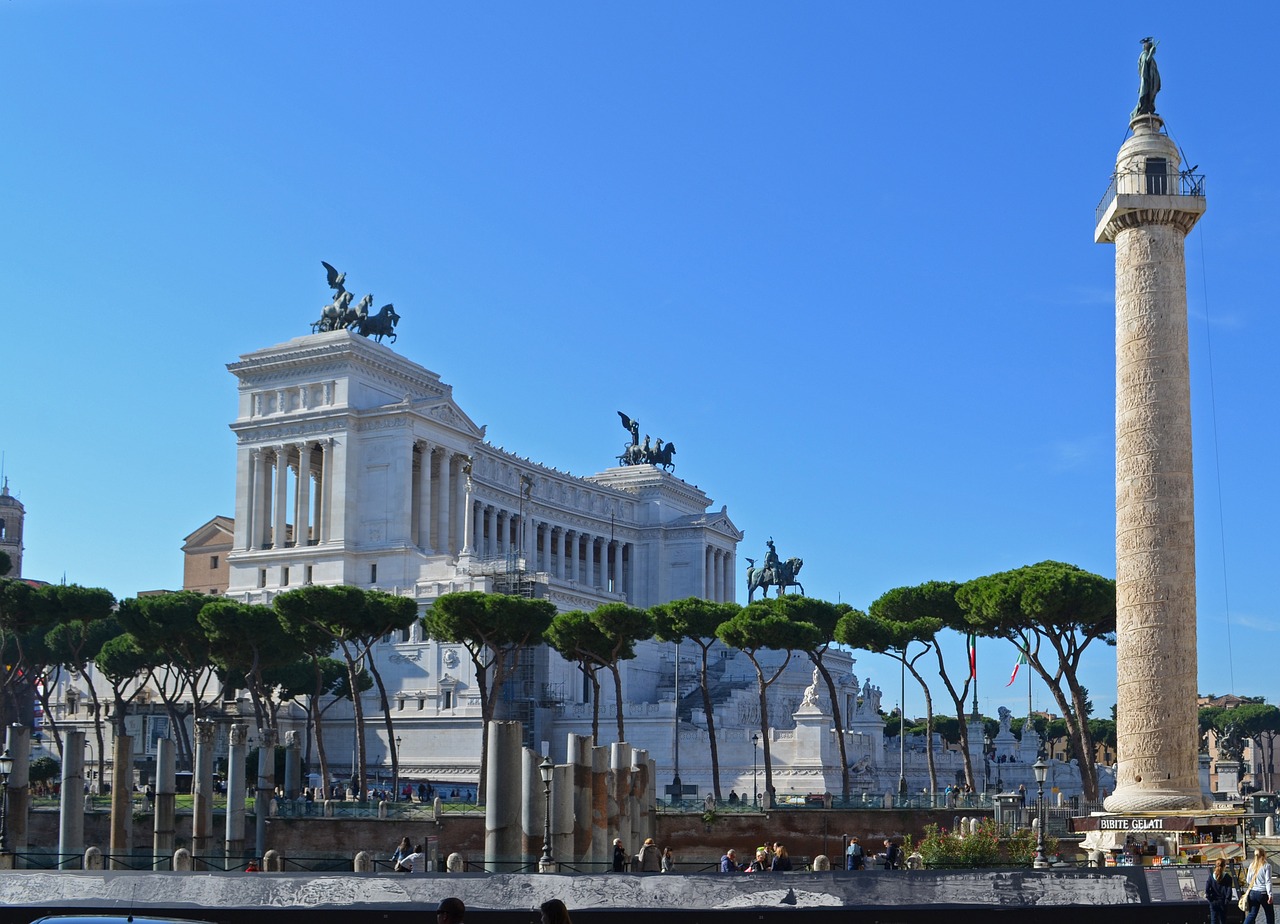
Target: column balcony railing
[1136, 183]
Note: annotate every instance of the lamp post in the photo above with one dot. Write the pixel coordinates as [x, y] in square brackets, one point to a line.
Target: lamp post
[755, 789]
[396, 775]
[902, 733]
[1041, 769]
[547, 863]
[6, 767]
[986, 757]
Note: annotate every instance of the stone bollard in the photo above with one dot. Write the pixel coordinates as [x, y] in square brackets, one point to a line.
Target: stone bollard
[93, 858]
[437, 809]
[363, 862]
[382, 810]
[6, 859]
[272, 862]
[455, 863]
[888, 800]
[1269, 826]
[182, 860]
[328, 808]
[973, 825]
[821, 863]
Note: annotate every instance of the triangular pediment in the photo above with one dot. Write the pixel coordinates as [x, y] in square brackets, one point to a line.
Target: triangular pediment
[218, 531]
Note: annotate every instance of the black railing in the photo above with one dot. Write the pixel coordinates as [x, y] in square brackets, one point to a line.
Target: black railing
[1150, 184]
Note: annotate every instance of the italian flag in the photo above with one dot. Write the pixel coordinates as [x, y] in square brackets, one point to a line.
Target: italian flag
[973, 656]
[1022, 659]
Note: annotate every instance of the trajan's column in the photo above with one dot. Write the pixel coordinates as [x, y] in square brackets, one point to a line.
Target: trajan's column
[1147, 213]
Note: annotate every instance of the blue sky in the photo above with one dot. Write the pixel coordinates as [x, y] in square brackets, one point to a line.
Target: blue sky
[840, 254]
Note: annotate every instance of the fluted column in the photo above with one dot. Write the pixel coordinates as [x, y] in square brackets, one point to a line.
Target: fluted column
[469, 526]
[561, 540]
[575, 561]
[279, 533]
[302, 519]
[442, 520]
[590, 553]
[257, 499]
[424, 498]
[461, 487]
[324, 492]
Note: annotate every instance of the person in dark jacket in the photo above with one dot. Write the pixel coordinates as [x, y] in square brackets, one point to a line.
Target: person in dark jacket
[729, 862]
[1217, 892]
[619, 856]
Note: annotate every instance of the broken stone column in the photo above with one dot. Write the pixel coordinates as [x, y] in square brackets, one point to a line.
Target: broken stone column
[563, 825]
[641, 826]
[166, 804]
[19, 744]
[237, 755]
[620, 796]
[71, 809]
[202, 795]
[601, 842]
[292, 765]
[531, 807]
[578, 800]
[266, 788]
[121, 801]
[502, 797]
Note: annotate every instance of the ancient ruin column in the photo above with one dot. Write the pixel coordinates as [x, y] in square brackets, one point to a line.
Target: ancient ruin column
[166, 805]
[579, 754]
[266, 788]
[202, 795]
[292, 765]
[502, 797]
[237, 753]
[531, 807]
[601, 842]
[620, 795]
[564, 825]
[19, 792]
[71, 808]
[121, 800]
[1150, 209]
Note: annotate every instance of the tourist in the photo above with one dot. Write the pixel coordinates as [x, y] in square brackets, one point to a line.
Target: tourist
[554, 912]
[733, 797]
[415, 862]
[668, 861]
[403, 849]
[781, 861]
[648, 859]
[252, 867]
[451, 911]
[619, 856]
[761, 863]
[1217, 892]
[729, 862]
[1258, 882]
[892, 855]
[854, 858]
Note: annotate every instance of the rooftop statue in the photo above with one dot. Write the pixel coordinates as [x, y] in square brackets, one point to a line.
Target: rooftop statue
[1148, 79]
[339, 315]
[647, 453]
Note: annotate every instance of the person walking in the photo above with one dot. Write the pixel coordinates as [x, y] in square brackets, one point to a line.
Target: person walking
[415, 862]
[1258, 881]
[781, 860]
[854, 858]
[668, 861]
[403, 849]
[648, 859]
[619, 856]
[1217, 892]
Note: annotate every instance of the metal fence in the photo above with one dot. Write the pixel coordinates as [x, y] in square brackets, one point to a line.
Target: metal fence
[1150, 184]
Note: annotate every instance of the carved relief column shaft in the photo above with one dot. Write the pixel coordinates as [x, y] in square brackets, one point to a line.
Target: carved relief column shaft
[1156, 714]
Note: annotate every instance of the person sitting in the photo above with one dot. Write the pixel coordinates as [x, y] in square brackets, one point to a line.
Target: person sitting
[761, 863]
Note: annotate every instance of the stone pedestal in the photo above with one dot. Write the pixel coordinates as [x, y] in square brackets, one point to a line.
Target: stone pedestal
[1148, 218]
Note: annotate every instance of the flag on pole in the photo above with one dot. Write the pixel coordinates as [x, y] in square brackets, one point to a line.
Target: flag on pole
[973, 656]
[1022, 659]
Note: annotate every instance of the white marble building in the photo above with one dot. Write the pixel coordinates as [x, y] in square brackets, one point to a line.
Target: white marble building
[357, 466]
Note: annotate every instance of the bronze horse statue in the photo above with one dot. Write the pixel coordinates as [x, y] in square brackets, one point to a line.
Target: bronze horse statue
[377, 326]
[764, 578]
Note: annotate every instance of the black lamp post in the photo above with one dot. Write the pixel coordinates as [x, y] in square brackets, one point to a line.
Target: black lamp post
[986, 755]
[6, 767]
[395, 797]
[1041, 770]
[755, 789]
[547, 769]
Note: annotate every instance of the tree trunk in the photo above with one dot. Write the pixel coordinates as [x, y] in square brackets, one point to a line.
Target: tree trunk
[711, 724]
[357, 772]
[928, 713]
[837, 722]
[617, 694]
[386, 721]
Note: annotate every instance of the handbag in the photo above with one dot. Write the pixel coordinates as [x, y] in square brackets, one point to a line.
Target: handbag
[1244, 900]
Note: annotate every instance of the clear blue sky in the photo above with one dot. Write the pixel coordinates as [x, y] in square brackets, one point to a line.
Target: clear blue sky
[840, 254]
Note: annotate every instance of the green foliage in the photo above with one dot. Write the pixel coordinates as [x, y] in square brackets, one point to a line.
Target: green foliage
[941, 847]
[44, 769]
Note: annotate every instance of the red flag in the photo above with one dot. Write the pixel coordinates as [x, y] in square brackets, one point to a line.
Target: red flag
[1022, 659]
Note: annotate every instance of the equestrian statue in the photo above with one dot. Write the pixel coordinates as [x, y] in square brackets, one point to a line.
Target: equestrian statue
[636, 453]
[774, 573]
[339, 315]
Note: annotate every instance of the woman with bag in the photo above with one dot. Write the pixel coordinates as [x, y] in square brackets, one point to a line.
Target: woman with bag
[1258, 882]
[1217, 892]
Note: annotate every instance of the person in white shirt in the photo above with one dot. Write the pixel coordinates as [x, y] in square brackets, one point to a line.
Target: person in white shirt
[1258, 881]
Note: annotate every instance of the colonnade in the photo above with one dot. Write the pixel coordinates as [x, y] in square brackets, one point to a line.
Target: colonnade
[270, 471]
[718, 574]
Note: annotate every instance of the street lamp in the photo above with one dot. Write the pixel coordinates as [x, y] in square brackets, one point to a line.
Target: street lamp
[986, 756]
[547, 769]
[755, 789]
[396, 776]
[1041, 770]
[6, 767]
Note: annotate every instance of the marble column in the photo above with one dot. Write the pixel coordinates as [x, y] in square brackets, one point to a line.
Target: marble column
[324, 492]
[121, 800]
[302, 519]
[292, 765]
[461, 487]
[202, 795]
[1156, 714]
[279, 509]
[19, 791]
[562, 545]
[443, 543]
[580, 805]
[424, 498]
[258, 500]
[502, 797]
[589, 555]
[266, 788]
[531, 807]
[237, 754]
[162, 843]
[71, 808]
[601, 842]
[620, 796]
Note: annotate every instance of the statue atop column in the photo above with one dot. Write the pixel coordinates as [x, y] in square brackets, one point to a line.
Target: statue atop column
[649, 453]
[1148, 79]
